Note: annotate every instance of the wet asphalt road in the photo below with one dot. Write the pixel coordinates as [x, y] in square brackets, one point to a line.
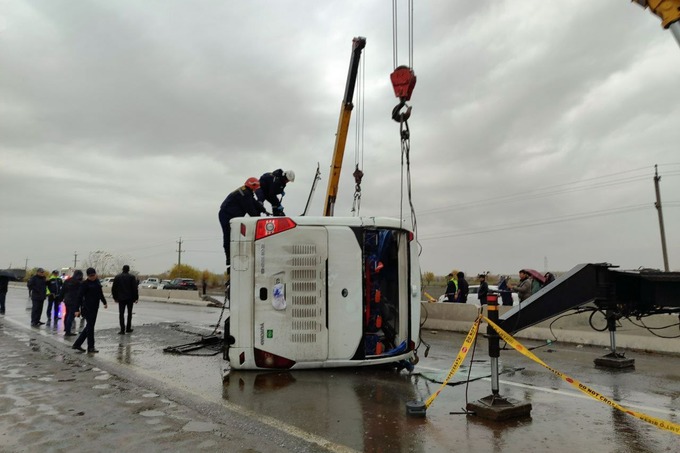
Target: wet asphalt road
[364, 409]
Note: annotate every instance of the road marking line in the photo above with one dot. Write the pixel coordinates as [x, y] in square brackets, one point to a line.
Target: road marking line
[289, 429]
[565, 393]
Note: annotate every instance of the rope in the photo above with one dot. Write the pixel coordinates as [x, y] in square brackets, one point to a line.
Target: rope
[405, 135]
[395, 33]
[359, 137]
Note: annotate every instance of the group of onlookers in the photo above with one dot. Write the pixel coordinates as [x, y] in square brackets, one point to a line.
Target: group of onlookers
[81, 297]
[457, 287]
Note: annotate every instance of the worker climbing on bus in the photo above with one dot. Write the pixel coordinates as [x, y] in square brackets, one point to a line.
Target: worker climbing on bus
[271, 186]
[239, 203]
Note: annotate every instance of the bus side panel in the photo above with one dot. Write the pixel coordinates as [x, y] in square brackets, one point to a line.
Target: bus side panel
[345, 295]
[290, 294]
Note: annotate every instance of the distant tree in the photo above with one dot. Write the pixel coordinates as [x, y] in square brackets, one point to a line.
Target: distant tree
[428, 277]
[106, 264]
[184, 271]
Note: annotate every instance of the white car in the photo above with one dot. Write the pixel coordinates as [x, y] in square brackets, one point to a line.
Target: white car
[107, 282]
[150, 283]
[472, 296]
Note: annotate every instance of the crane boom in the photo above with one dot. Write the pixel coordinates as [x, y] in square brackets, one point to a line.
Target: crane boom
[358, 45]
[668, 11]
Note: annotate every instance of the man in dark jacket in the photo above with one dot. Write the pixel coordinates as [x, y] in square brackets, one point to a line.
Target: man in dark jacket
[239, 203]
[89, 296]
[54, 284]
[37, 289]
[69, 294]
[3, 293]
[271, 186]
[125, 292]
[463, 288]
[483, 289]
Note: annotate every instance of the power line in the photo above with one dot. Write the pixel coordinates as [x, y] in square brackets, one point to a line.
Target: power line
[532, 194]
[547, 221]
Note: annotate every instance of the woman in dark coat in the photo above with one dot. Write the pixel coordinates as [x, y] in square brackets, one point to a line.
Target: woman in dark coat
[506, 295]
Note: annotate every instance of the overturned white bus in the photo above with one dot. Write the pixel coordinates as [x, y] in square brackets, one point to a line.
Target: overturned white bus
[315, 292]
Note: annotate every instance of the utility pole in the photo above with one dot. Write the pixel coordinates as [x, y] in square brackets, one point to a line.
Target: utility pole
[75, 260]
[179, 252]
[26, 266]
[657, 178]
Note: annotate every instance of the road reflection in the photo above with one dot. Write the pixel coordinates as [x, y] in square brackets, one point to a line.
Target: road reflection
[361, 408]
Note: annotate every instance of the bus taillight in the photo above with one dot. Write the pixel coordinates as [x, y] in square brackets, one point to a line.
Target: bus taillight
[272, 225]
[268, 360]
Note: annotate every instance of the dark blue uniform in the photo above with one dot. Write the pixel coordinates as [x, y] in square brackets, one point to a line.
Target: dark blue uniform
[239, 203]
[54, 284]
[271, 186]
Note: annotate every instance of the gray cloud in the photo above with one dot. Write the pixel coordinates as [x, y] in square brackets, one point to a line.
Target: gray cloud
[125, 124]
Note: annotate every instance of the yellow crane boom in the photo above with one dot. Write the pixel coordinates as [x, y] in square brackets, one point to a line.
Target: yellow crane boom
[358, 45]
[668, 11]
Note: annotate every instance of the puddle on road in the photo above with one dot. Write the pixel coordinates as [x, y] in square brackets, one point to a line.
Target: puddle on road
[13, 374]
[152, 413]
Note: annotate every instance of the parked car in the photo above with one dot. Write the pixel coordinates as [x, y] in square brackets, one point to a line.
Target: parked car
[472, 295]
[181, 283]
[151, 282]
[162, 284]
[106, 282]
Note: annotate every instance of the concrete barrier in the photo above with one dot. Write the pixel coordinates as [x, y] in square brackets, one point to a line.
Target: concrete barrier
[168, 295]
[574, 328]
[157, 295]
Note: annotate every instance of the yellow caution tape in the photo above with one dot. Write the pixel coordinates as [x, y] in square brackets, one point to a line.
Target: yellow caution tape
[472, 334]
[658, 422]
[429, 298]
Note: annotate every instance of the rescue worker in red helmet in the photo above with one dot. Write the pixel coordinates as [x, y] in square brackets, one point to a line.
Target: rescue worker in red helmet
[271, 186]
[239, 203]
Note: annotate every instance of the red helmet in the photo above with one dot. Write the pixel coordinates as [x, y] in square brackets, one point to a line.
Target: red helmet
[252, 183]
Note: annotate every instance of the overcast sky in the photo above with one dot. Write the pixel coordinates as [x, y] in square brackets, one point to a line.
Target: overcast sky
[534, 132]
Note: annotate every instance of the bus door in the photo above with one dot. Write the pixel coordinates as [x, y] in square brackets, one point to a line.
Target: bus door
[290, 295]
[386, 292]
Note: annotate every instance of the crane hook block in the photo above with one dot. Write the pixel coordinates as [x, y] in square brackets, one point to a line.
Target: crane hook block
[403, 82]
